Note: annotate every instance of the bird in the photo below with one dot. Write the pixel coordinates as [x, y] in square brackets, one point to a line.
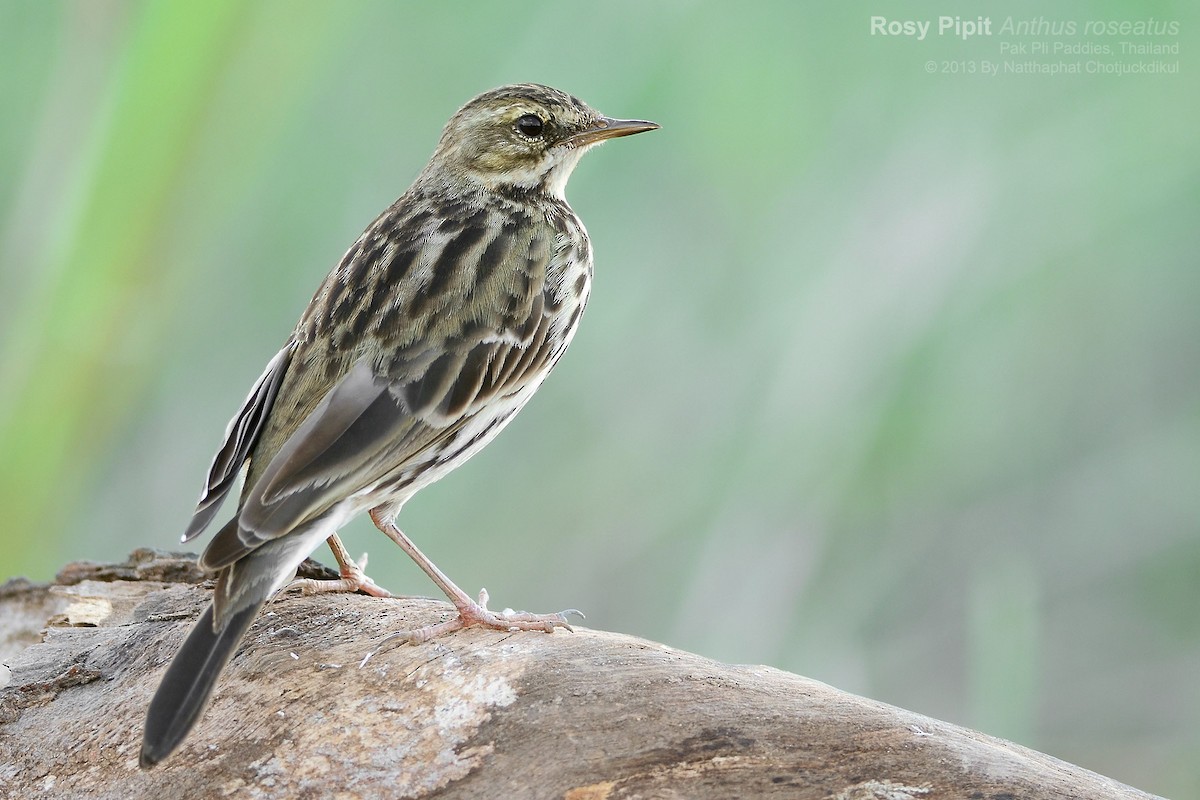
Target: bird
[433, 330]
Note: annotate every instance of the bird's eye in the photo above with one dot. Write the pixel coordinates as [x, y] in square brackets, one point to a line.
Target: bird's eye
[530, 125]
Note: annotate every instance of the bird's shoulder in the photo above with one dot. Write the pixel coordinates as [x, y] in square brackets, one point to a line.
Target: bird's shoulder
[434, 260]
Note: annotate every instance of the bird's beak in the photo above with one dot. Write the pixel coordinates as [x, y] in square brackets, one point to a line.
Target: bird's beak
[609, 128]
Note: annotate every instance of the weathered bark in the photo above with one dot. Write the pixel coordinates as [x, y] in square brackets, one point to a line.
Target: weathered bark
[317, 704]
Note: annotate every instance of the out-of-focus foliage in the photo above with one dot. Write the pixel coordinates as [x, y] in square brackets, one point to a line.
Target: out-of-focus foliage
[890, 377]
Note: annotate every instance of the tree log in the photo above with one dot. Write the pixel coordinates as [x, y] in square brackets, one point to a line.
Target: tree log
[317, 703]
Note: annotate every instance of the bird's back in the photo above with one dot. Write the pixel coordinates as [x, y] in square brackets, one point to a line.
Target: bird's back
[461, 301]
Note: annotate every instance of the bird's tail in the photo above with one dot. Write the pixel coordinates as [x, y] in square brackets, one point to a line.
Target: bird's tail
[243, 587]
[188, 682]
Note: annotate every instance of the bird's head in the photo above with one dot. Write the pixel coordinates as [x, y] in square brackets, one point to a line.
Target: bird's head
[526, 137]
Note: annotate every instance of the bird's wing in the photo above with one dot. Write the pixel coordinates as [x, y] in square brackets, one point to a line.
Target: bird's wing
[240, 437]
[394, 415]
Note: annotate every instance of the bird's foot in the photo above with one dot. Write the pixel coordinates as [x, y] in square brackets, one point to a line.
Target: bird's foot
[354, 579]
[471, 614]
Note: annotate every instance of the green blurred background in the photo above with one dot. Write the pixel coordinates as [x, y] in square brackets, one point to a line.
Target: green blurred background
[889, 378]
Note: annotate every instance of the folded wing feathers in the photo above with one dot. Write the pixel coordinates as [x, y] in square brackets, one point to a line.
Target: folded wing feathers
[240, 436]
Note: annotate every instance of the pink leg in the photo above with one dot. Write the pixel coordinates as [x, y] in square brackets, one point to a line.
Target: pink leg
[353, 579]
[470, 612]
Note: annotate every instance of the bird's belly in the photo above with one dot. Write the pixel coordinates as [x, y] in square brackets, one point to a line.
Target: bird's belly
[435, 462]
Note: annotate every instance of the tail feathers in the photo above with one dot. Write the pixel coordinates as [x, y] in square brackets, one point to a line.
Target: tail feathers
[188, 682]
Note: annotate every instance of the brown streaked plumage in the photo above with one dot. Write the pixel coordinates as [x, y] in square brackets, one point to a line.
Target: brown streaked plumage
[433, 330]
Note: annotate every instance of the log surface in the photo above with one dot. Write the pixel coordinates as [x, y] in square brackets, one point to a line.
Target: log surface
[317, 703]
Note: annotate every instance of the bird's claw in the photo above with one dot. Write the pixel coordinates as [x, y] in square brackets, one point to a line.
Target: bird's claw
[476, 614]
[353, 579]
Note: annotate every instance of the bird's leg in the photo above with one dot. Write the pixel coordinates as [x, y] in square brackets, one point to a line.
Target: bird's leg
[470, 612]
[354, 577]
